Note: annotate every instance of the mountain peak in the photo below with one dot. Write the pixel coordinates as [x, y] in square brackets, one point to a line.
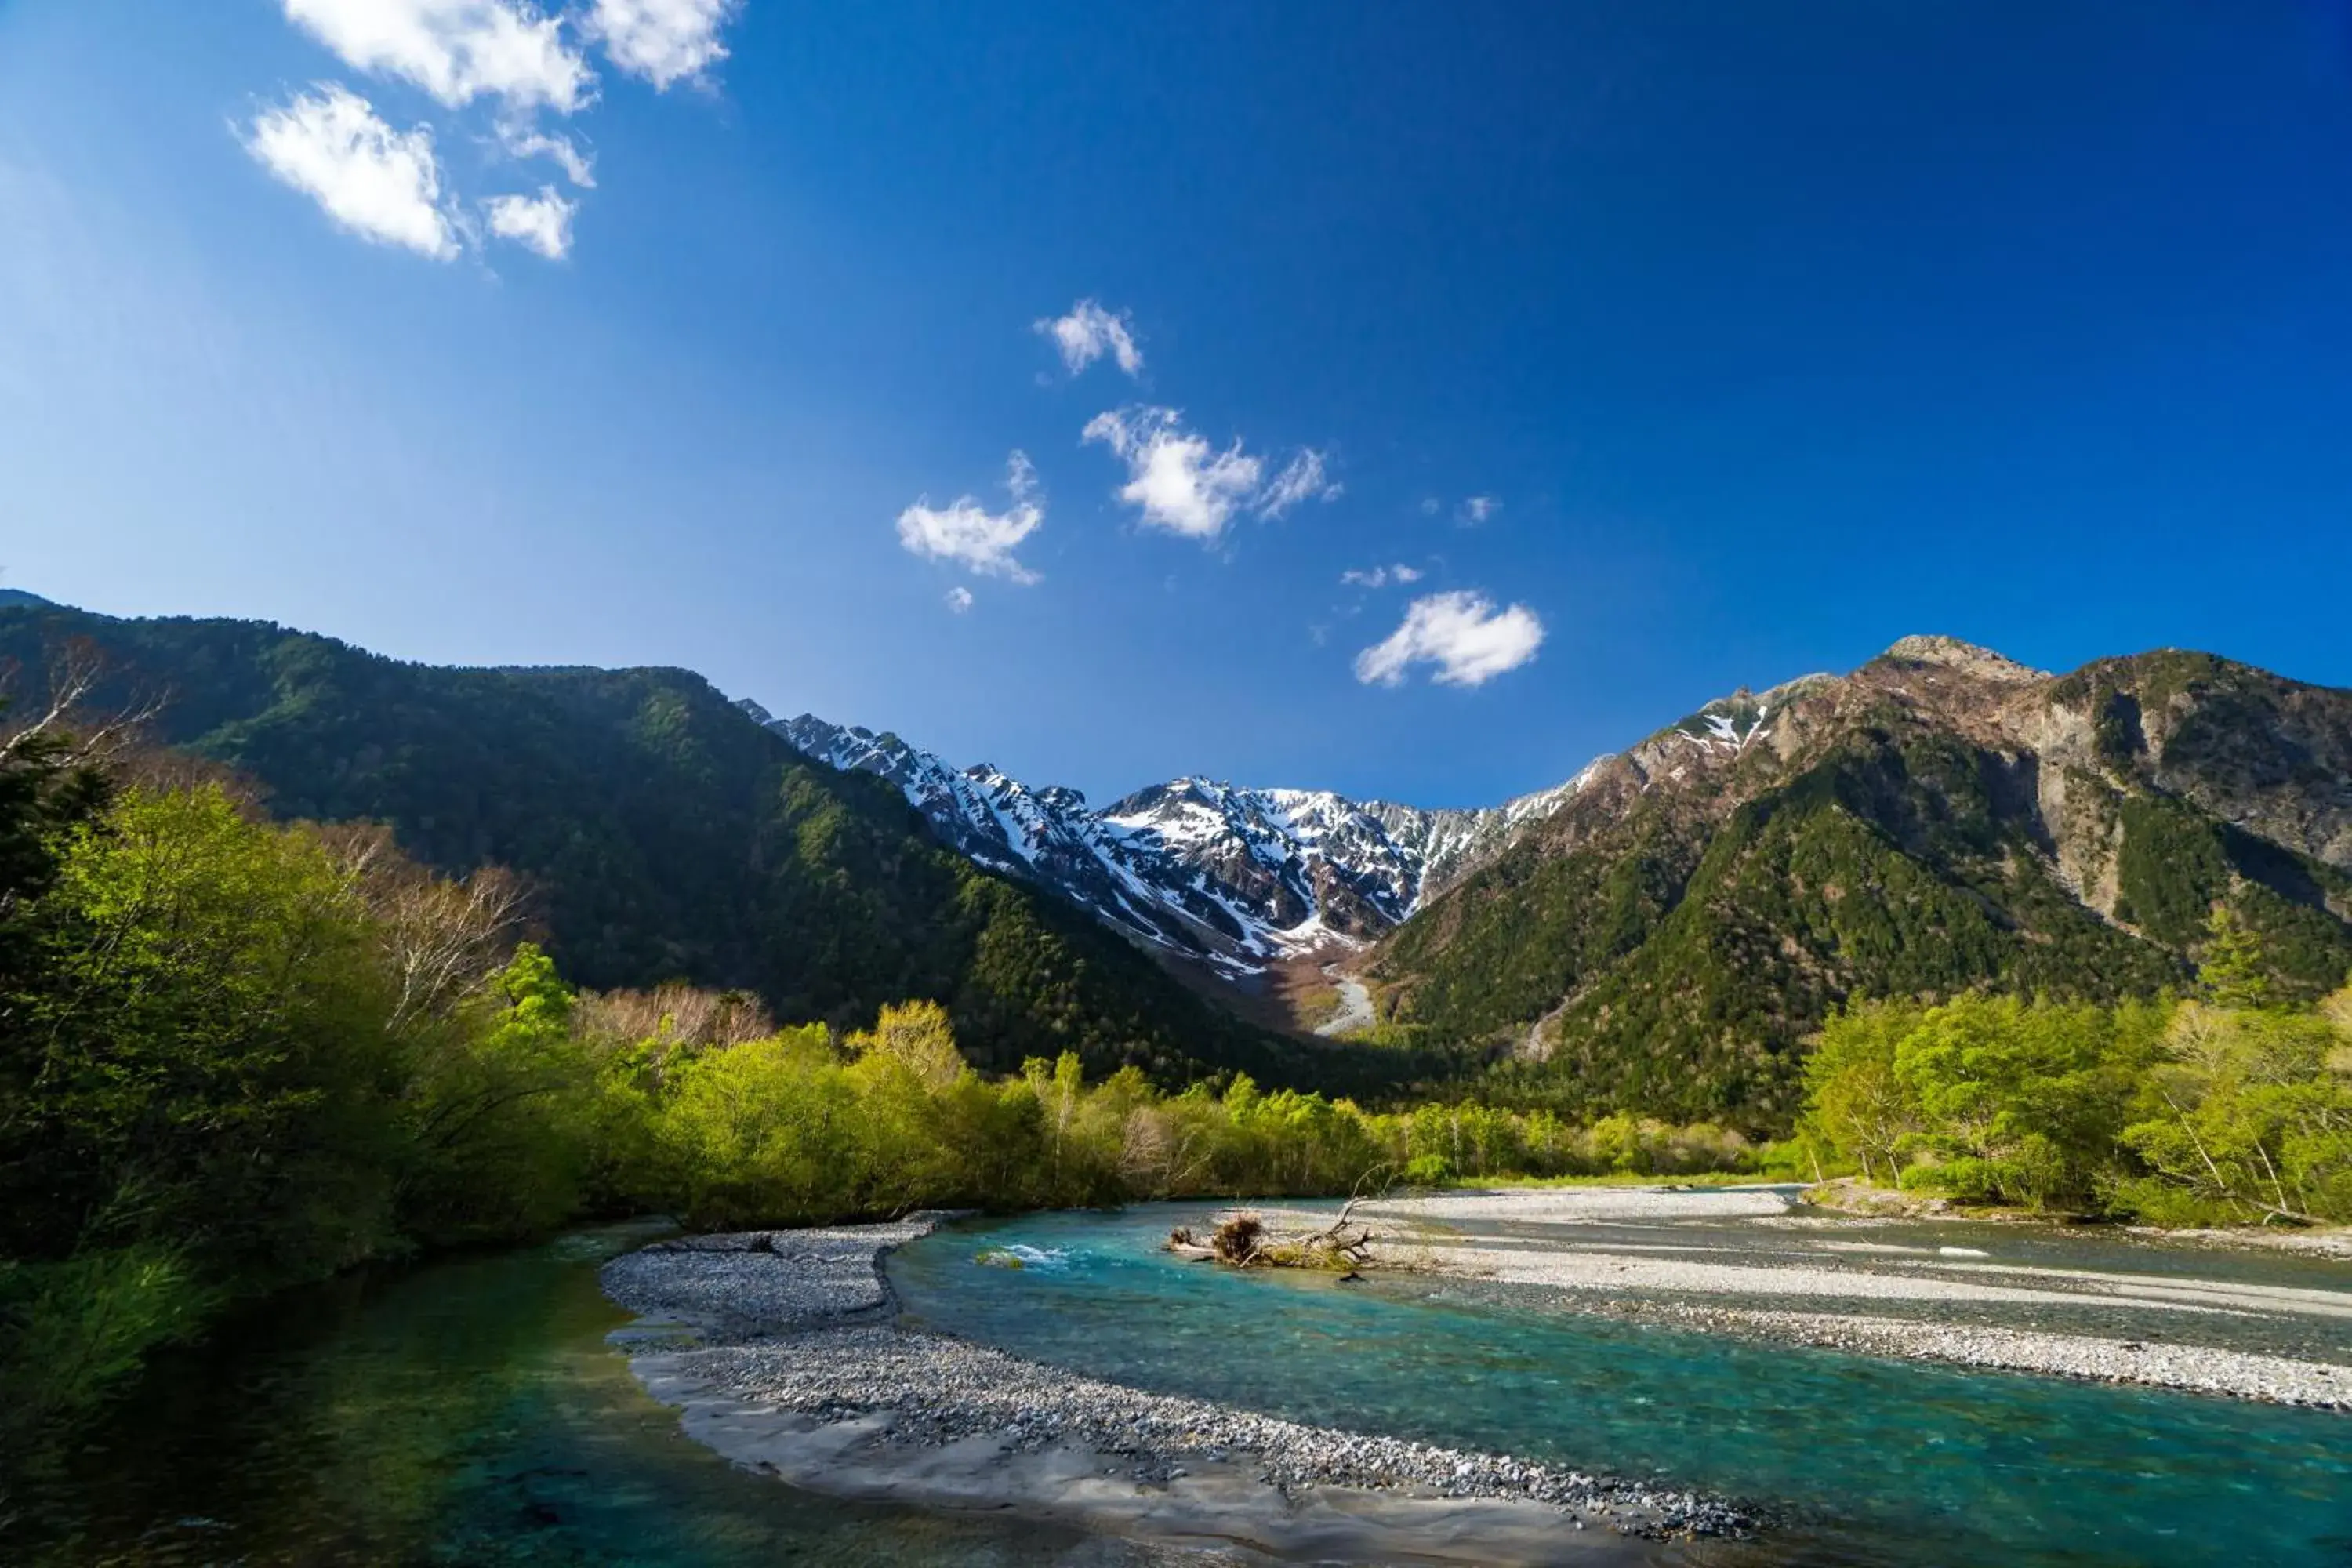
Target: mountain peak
[1964, 657]
[1231, 878]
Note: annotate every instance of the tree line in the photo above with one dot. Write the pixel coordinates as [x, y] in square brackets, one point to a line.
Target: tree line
[2233, 1106]
[238, 1054]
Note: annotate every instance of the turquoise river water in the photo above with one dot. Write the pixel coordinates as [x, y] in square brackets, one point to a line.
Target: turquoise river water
[1875, 1461]
[466, 1413]
[472, 1412]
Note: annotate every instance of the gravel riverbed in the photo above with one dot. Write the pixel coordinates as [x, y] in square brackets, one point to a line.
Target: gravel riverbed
[797, 1322]
[1906, 1302]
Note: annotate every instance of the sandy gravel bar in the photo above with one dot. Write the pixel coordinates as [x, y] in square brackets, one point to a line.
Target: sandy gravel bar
[2276, 1380]
[1620, 1270]
[777, 1349]
[1589, 1206]
[1680, 1285]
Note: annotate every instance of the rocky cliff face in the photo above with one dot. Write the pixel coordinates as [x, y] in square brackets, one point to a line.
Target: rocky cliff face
[1233, 878]
[1941, 818]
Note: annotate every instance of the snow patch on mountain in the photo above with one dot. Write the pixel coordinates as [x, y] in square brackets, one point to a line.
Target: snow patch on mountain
[1235, 878]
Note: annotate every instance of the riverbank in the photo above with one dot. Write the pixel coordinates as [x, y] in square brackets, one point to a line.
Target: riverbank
[1839, 1287]
[776, 1348]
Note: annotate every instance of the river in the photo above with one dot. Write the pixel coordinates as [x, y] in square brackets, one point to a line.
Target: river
[471, 1411]
[467, 1410]
[1868, 1460]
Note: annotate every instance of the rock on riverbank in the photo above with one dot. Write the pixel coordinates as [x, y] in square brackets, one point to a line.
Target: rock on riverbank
[775, 1348]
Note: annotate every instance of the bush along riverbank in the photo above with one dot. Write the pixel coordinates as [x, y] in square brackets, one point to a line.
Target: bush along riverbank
[2225, 1108]
[238, 1054]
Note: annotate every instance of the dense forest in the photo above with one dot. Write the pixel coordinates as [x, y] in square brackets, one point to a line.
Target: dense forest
[664, 835]
[237, 1053]
[2228, 1108]
[1673, 957]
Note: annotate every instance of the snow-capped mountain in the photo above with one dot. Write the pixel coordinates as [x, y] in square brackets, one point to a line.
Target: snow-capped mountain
[1236, 879]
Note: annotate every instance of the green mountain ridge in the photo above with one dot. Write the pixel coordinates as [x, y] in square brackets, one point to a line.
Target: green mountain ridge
[667, 836]
[1940, 821]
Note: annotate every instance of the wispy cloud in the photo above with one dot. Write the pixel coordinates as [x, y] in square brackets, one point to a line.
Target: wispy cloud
[1089, 332]
[521, 142]
[456, 50]
[1301, 480]
[959, 599]
[382, 184]
[969, 534]
[1462, 634]
[540, 223]
[664, 41]
[1476, 509]
[1380, 576]
[1175, 478]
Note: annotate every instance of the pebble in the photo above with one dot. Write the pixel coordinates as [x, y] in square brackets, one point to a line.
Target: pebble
[796, 1321]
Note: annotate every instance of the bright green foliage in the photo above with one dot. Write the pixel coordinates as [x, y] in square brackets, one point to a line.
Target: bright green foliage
[2186, 1113]
[802, 1126]
[203, 1050]
[1668, 960]
[219, 1074]
[2019, 1103]
[666, 835]
[500, 1114]
[2233, 971]
[1856, 1101]
[2246, 1115]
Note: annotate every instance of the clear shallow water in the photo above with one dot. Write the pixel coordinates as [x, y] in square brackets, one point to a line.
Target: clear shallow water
[1886, 1462]
[463, 1413]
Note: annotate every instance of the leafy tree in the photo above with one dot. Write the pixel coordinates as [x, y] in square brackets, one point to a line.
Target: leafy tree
[1855, 1097]
[2234, 969]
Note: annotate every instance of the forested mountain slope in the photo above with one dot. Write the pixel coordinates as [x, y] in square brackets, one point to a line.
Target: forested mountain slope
[1942, 820]
[667, 835]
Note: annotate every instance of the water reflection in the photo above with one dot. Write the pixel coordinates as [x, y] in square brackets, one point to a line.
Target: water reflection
[466, 1412]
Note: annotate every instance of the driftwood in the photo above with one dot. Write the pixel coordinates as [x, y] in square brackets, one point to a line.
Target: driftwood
[1241, 1241]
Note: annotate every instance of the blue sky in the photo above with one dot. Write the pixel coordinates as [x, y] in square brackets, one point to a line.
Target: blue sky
[1771, 332]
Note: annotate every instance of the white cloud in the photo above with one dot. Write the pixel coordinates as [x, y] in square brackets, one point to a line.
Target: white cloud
[1089, 332]
[1301, 480]
[1175, 478]
[382, 185]
[540, 223]
[456, 50]
[664, 41]
[1476, 509]
[1431, 506]
[523, 141]
[959, 599]
[971, 535]
[1380, 576]
[1461, 633]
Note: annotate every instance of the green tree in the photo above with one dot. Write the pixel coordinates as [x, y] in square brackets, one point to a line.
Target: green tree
[2233, 968]
[1855, 1099]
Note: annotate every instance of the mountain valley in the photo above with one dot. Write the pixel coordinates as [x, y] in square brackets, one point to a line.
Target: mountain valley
[1658, 933]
